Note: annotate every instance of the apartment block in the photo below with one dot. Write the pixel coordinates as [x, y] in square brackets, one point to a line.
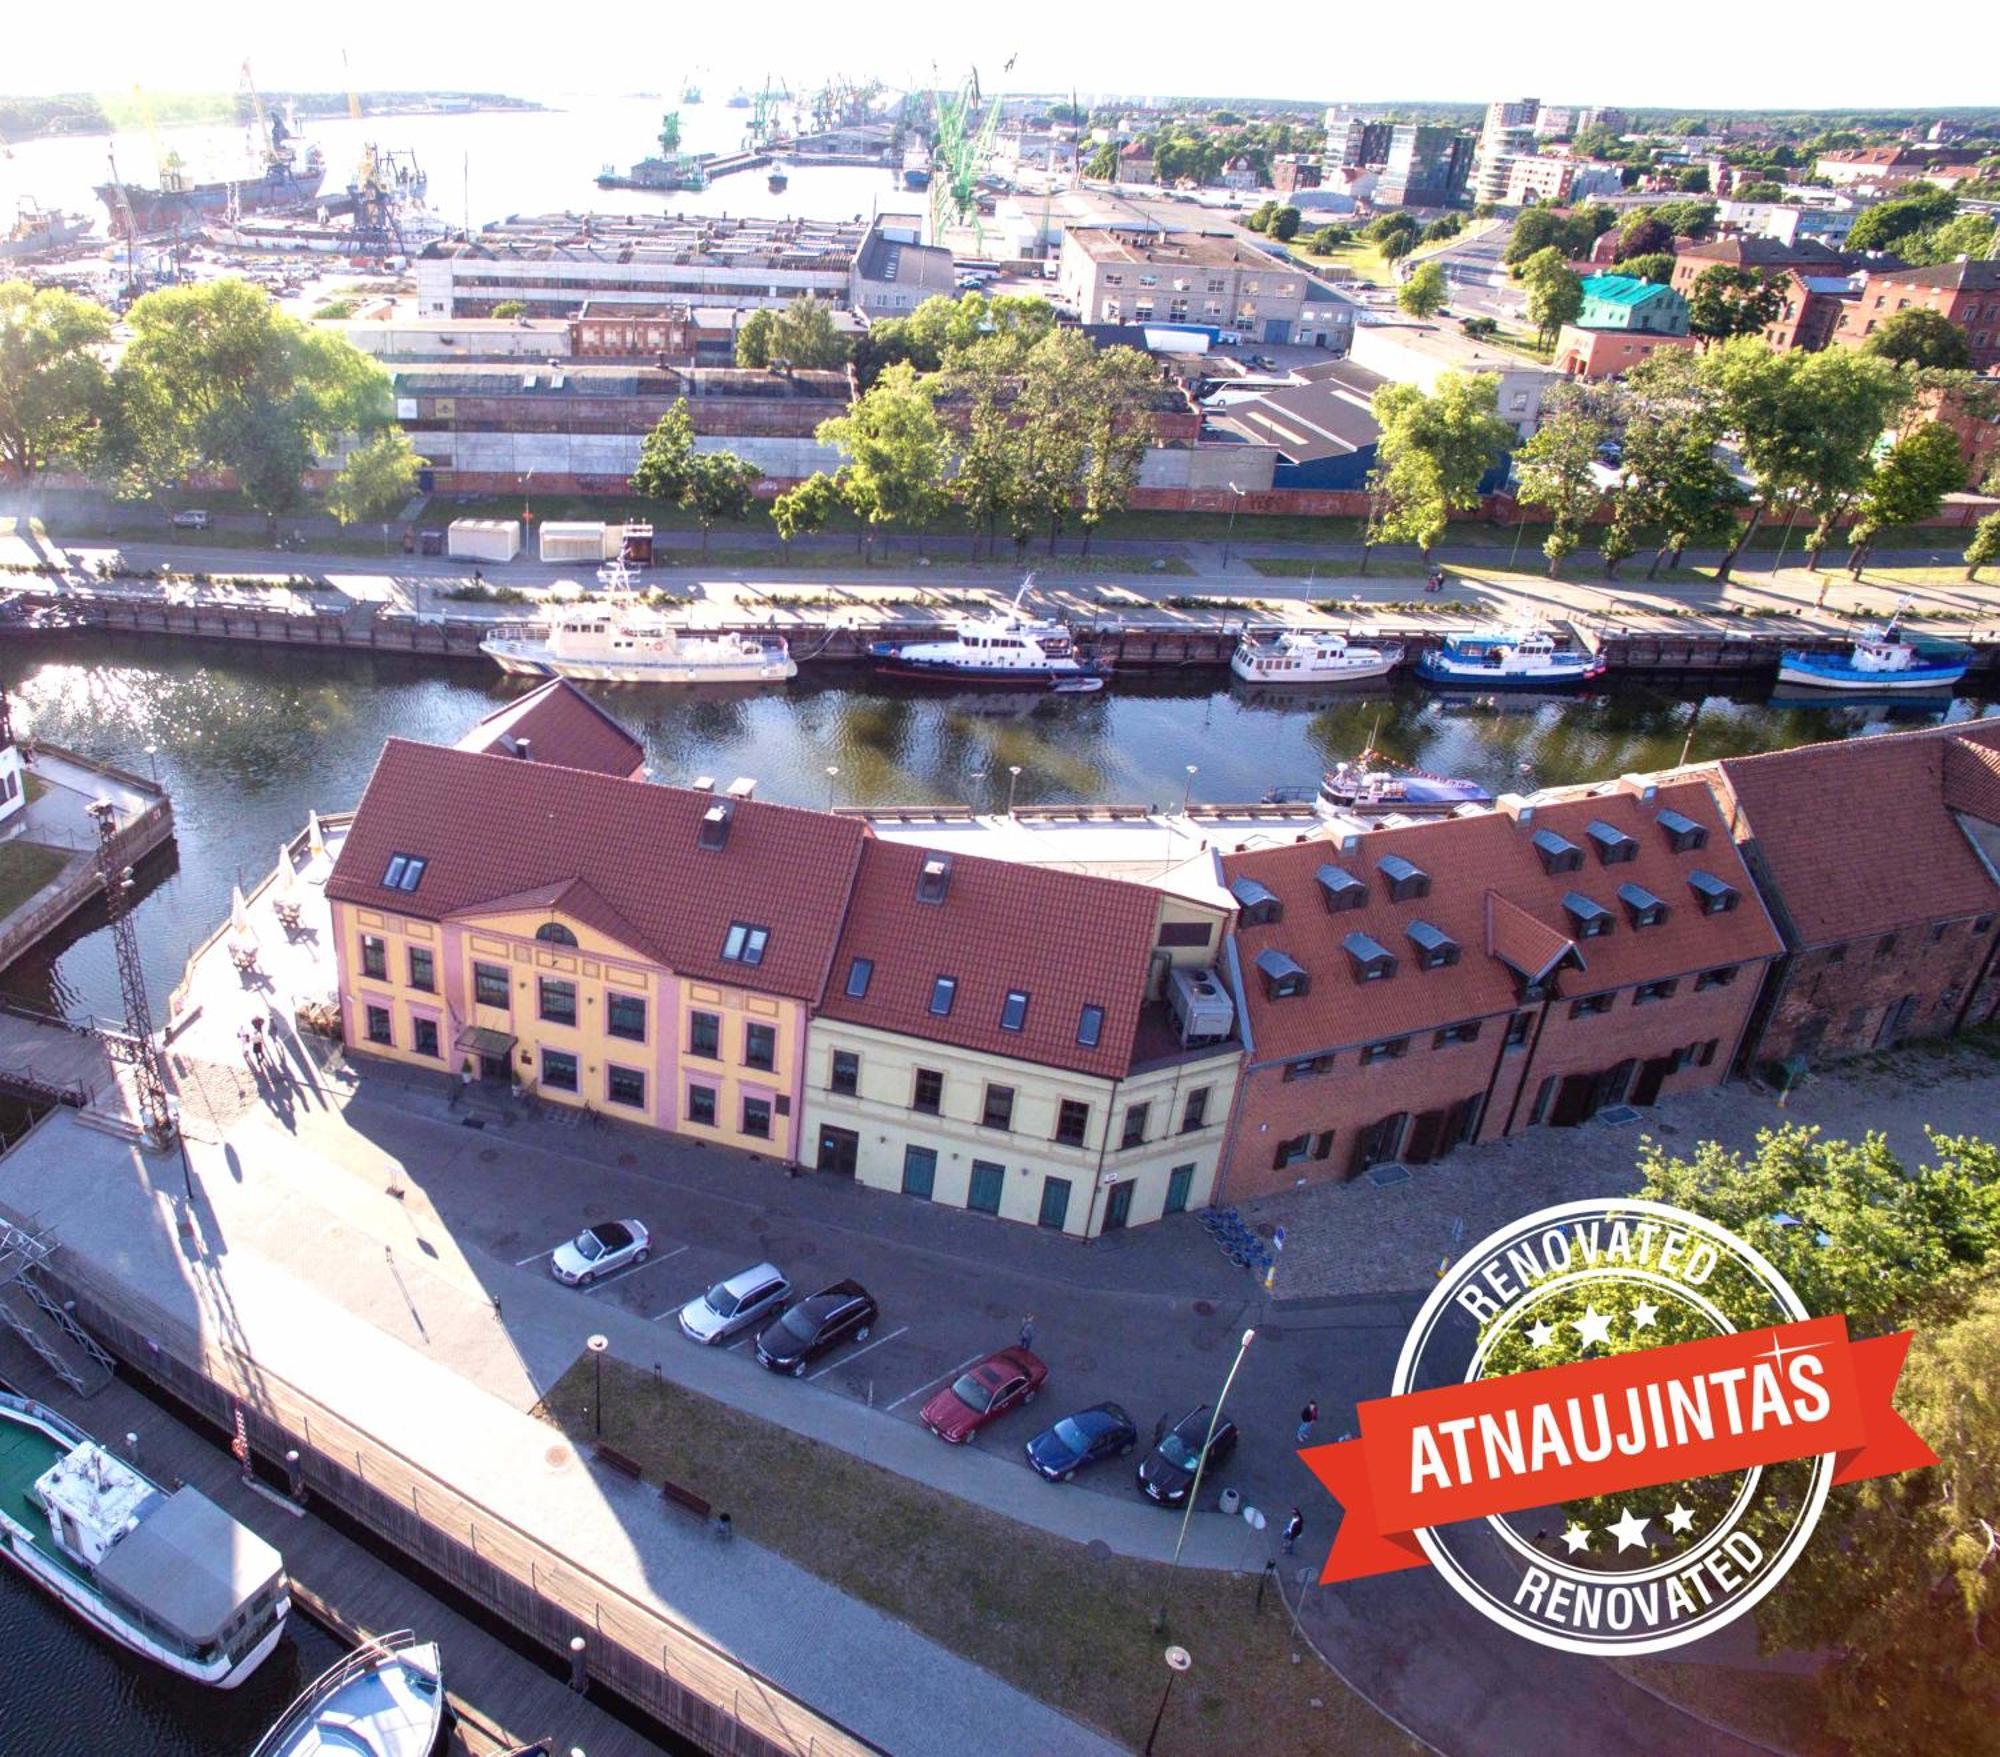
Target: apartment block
[1966, 292]
[1111, 274]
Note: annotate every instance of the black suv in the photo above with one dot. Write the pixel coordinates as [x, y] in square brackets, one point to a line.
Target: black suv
[1167, 1472]
[845, 1311]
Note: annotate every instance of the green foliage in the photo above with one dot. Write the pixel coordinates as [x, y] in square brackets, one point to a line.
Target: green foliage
[802, 510]
[1659, 269]
[1692, 180]
[943, 332]
[1285, 224]
[378, 477]
[1426, 292]
[1555, 293]
[1443, 227]
[1480, 327]
[801, 336]
[1102, 163]
[1759, 191]
[54, 390]
[335, 310]
[1556, 467]
[1970, 234]
[1674, 490]
[1262, 217]
[670, 133]
[1908, 485]
[1726, 302]
[721, 485]
[666, 457]
[1570, 234]
[1887, 223]
[1433, 453]
[1685, 219]
[1984, 549]
[1921, 337]
[1385, 226]
[1396, 246]
[1328, 239]
[896, 449]
[1644, 234]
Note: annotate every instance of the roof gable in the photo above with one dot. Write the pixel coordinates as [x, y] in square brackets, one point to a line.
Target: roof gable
[559, 724]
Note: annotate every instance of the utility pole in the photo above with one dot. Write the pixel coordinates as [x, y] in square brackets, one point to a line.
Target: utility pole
[138, 1046]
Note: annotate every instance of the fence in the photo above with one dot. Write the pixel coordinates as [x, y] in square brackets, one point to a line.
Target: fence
[670, 1672]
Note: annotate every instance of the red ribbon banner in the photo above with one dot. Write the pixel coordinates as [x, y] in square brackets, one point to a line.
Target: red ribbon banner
[1601, 1427]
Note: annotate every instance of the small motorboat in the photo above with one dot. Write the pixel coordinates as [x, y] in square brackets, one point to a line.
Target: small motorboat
[777, 180]
[1878, 662]
[1005, 647]
[1523, 657]
[385, 1699]
[1368, 787]
[1308, 655]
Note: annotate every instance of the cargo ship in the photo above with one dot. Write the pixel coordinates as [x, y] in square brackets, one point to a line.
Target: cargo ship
[287, 181]
[36, 231]
[916, 168]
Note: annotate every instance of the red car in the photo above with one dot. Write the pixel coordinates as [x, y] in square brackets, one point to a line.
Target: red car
[997, 1384]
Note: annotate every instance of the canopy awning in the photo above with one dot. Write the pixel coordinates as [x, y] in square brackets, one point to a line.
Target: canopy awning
[478, 1040]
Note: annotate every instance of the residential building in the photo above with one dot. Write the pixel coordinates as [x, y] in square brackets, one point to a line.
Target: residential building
[997, 1036]
[644, 951]
[1421, 354]
[1293, 172]
[1885, 167]
[1609, 353]
[1790, 221]
[1135, 162]
[1768, 256]
[1555, 181]
[1880, 861]
[1507, 134]
[1426, 167]
[1966, 291]
[1627, 303]
[1118, 274]
[1811, 309]
[1974, 417]
[1241, 174]
[1406, 990]
[1359, 144]
[1554, 121]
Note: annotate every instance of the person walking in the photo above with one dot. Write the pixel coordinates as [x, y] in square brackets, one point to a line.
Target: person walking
[243, 1043]
[1028, 1331]
[1307, 1417]
[1293, 1526]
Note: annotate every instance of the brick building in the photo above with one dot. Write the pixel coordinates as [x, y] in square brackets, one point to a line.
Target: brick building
[1291, 172]
[1608, 353]
[1880, 861]
[1965, 291]
[1770, 257]
[1812, 309]
[1406, 990]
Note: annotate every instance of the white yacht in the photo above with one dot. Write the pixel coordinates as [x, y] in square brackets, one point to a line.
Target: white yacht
[615, 644]
[168, 1575]
[1308, 655]
[385, 1699]
[1004, 647]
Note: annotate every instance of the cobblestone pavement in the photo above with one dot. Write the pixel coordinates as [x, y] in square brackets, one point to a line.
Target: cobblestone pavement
[1364, 1238]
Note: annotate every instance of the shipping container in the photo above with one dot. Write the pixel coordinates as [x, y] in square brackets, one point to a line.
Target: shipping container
[484, 539]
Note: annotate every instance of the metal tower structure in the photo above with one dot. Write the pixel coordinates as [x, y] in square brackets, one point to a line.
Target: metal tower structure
[959, 155]
[138, 1046]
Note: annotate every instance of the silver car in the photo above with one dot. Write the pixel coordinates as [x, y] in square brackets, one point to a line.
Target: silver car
[744, 1299]
[599, 1250]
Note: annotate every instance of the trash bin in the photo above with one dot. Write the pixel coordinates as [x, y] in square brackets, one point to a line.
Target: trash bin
[433, 542]
[1231, 1500]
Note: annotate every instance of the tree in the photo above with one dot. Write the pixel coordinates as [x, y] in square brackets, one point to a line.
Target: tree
[1726, 302]
[1693, 180]
[1984, 549]
[1906, 487]
[721, 485]
[1434, 451]
[1921, 337]
[1102, 163]
[802, 510]
[1285, 224]
[1426, 292]
[1396, 246]
[1673, 489]
[216, 377]
[754, 337]
[1762, 190]
[54, 390]
[897, 453]
[1558, 467]
[1644, 234]
[670, 133]
[378, 477]
[1118, 432]
[1555, 294]
[1329, 239]
[509, 309]
[1884, 225]
[666, 457]
[1658, 268]
[1536, 229]
[800, 336]
[1262, 217]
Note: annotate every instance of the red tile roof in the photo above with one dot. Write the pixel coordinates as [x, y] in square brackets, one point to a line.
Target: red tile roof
[1065, 939]
[1972, 778]
[560, 725]
[1857, 838]
[1485, 867]
[492, 828]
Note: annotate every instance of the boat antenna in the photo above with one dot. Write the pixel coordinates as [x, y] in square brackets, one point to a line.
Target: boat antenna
[1368, 750]
[1027, 586]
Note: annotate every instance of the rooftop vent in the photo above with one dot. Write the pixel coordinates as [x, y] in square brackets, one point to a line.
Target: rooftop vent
[1435, 947]
[1643, 785]
[523, 750]
[1612, 844]
[1258, 903]
[1517, 806]
[1340, 889]
[1406, 878]
[1641, 906]
[1559, 853]
[1371, 960]
[934, 878]
[1683, 833]
[1715, 896]
[703, 783]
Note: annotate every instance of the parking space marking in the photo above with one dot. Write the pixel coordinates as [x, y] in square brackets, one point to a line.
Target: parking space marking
[536, 1258]
[939, 1380]
[631, 1269]
[858, 1353]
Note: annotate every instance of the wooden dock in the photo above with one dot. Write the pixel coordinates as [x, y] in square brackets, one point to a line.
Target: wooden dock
[504, 1700]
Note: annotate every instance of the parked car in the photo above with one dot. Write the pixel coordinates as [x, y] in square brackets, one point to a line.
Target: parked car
[597, 1250]
[734, 1305]
[820, 1321]
[1168, 1471]
[1101, 1431]
[189, 518]
[984, 1393]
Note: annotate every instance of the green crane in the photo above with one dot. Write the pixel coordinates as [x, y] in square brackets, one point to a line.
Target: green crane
[958, 156]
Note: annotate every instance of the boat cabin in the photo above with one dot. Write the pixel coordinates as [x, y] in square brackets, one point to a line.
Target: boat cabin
[92, 1500]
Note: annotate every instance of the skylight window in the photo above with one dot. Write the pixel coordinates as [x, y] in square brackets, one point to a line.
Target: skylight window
[1590, 917]
[406, 872]
[1089, 1025]
[1643, 908]
[858, 975]
[943, 992]
[1014, 1010]
[1371, 960]
[1613, 846]
[1406, 878]
[1715, 896]
[745, 944]
[1340, 889]
[1559, 853]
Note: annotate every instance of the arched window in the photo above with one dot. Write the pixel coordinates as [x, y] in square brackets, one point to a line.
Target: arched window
[555, 934]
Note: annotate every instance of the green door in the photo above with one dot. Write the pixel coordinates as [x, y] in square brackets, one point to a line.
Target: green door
[1119, 1208]
[1179, 1183]
[988, 1180]
[919, 1171]
[1055, 1201]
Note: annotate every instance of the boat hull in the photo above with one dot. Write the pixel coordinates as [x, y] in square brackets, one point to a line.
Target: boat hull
[890, 662]
[1460, 674]
[1249, 672]
[525, 659]
[159, 210]
[1801, 669]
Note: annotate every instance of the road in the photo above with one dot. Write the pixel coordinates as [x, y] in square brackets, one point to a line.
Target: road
[1479, 282]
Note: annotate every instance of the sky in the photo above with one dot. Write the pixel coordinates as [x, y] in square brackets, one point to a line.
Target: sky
[1701, 55]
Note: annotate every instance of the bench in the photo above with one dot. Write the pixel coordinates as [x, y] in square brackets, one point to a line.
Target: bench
[617, 1460]
[672, 1491]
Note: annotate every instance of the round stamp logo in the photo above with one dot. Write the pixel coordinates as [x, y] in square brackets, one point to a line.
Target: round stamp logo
[1612, 1428]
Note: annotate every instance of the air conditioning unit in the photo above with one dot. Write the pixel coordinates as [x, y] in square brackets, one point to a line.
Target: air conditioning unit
[1201, 1006]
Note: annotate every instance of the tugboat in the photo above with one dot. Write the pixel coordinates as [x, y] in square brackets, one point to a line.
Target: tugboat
[777, 180]
[1878, 662]
[916, 167]
[170, 1576]
[608, 644]
[1005, 647]
[385, 1698]
[1308, 655]
[1523, 657]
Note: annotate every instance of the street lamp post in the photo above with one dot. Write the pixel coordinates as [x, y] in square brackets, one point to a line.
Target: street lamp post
[1187, 792]
[1230, 535]
[1178, 1660]
[1013, 779]
[597, 1345]
[832, 775]
[1215, 1415]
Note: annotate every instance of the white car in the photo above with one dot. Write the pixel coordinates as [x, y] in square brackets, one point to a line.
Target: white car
[729, 1306]
[598, 1250]
[189, 519]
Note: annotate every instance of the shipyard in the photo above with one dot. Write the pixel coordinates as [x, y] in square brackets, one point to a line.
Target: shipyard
[712, 769]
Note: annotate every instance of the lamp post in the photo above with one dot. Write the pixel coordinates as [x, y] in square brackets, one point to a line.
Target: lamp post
[1230, 535]
[1178, 1660]
[597, 1345]
[1215, 1415]
[832, 775]
[153, 757]
[1013, 779]
[1187, 792]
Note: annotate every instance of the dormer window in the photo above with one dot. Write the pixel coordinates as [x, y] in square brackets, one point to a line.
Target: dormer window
[1642, 908]
[1283, 977]
[1014, 1010]
[1340, 889]
[1370, 959]
[1683, 834]
[1559, 853]
[715, 825]
[943, 992]
[1405, 879]
[1435, 947]
[934, 878]
[406, 872]
[1589, 917]
[1613, 846]
[1713, 896]
[1257, 904]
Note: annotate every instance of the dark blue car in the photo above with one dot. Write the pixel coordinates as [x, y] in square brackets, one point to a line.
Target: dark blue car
[1102, 1431]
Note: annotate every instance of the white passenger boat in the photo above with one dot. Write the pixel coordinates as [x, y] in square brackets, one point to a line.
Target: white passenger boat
[167, 1575]
[383, 1700]
[1523, 657]
[1878, 662]
[1308, 655]
[1004, 647]
[617, 644]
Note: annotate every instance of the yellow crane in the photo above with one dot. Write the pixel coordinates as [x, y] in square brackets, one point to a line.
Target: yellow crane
[172, 171]
[353, 98]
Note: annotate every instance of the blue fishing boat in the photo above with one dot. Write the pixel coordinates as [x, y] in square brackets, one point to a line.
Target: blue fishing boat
[1878, 662]
[1522, 657]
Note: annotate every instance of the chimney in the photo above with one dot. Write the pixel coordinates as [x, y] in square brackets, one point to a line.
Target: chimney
[742, 787]
[703, 784]
[1516, 806]
[521, 749]
[1645, 786]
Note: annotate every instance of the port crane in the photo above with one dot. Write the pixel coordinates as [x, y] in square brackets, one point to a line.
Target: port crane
[959, 152]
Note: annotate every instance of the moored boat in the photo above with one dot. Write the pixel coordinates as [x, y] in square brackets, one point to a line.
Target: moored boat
[916, 168]
[1308, 655]
[385, 1698]
[1878, 662]
[169, 1576]
[1523, 657]
[1004, 647]
[1367, 787]
[777, 180]
[607, 643]
[37, 231]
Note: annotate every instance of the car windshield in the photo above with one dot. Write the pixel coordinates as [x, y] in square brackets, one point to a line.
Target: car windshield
[589, 1246]
[1176, 1450]
[721, 1301]
[1072, 1436]
[972, 1393]
[803, 1322]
